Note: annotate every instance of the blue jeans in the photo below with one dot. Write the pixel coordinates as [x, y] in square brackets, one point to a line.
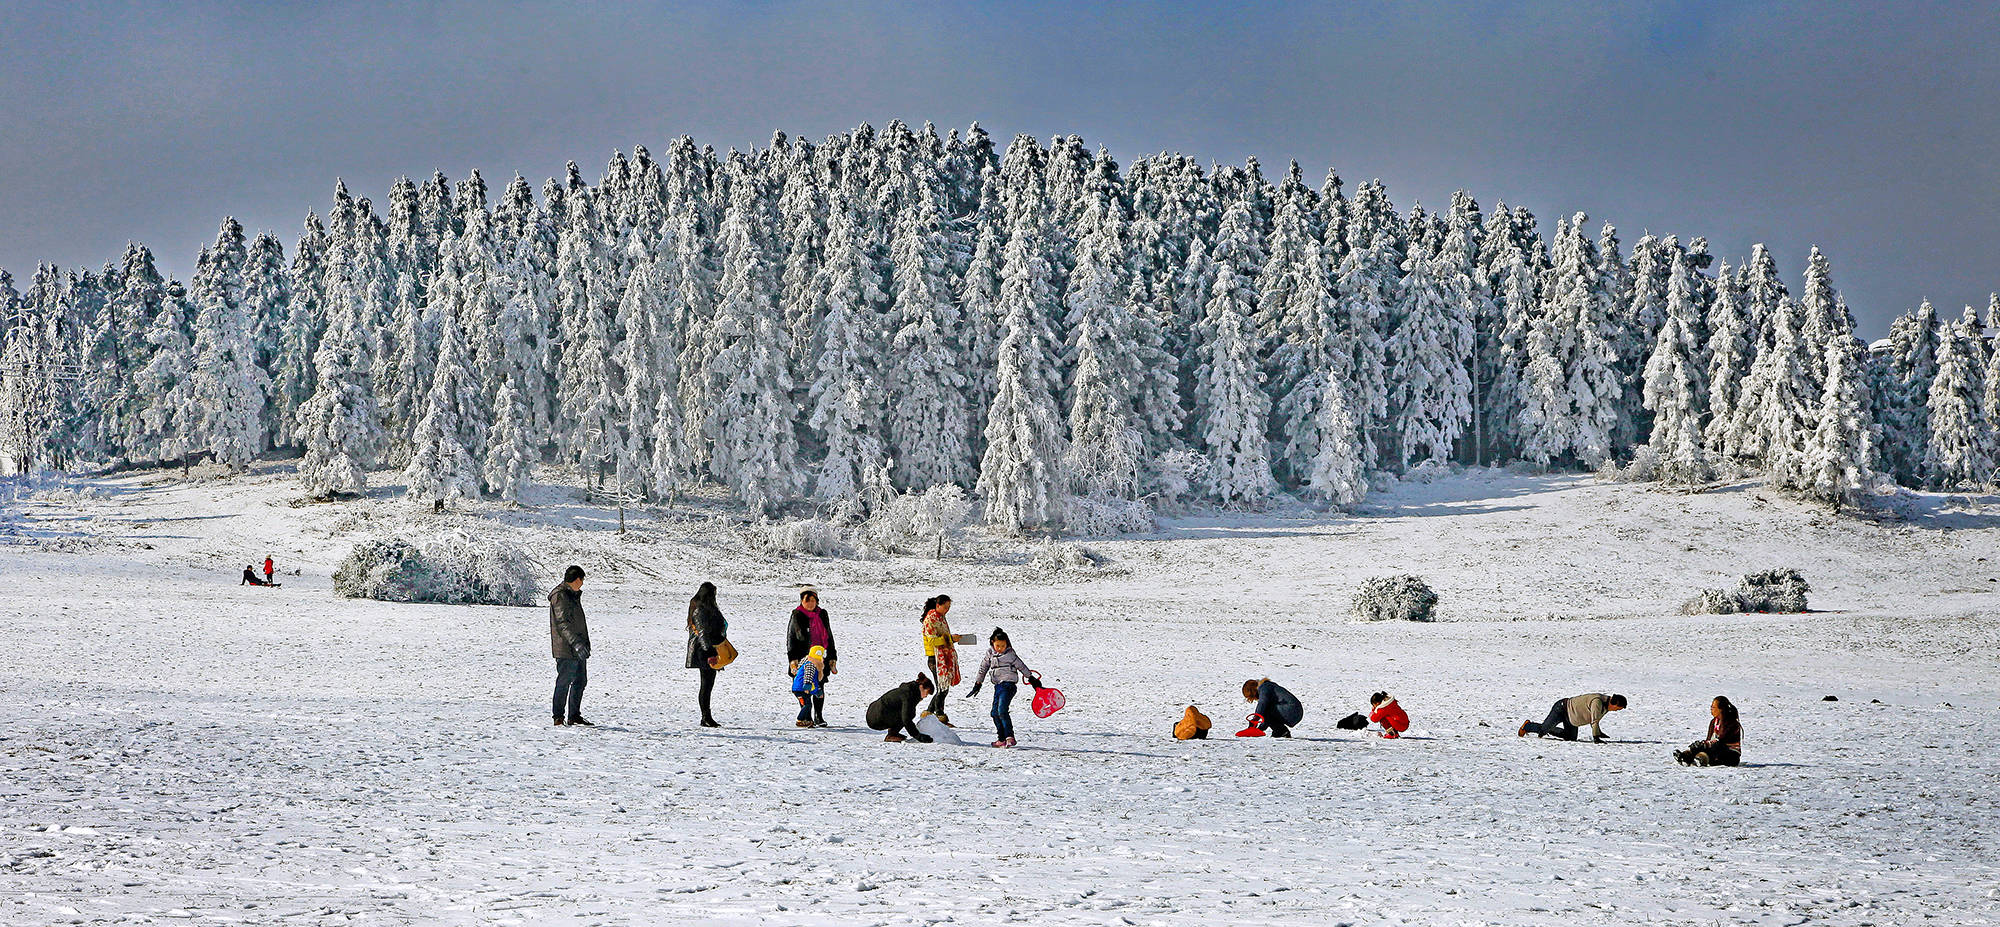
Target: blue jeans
[570, 679]
[1003, 696]
[1556, 724]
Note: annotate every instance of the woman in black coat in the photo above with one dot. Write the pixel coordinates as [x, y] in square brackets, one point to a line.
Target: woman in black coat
[706, 630]
[811, 627]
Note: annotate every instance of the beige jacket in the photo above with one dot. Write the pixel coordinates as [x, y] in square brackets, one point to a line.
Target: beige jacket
[1587, 710]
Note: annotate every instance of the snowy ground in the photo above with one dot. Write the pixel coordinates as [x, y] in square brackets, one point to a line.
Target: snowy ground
[179, 748]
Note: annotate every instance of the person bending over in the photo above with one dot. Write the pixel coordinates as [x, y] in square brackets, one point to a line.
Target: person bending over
[1277, 711]
[896, 710]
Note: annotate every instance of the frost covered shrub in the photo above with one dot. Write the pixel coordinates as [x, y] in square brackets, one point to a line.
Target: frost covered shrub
[1052, 557]
[918, 522]
[1644, 468]
[1395, 598]
[1781, 592]
[802, 537]
[1177, 476]
[1099, 516]
[450, 569]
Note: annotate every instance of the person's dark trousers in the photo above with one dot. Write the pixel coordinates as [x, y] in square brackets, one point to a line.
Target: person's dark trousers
[707, 688]
[819, 709]
[1003, 697]
[937, 698]
[1556, 724]
[1275, 724]
[1718, 755]
[805, 708]
[571, 676]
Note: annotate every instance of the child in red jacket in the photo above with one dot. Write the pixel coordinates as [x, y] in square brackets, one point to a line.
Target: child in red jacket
[1390, 715]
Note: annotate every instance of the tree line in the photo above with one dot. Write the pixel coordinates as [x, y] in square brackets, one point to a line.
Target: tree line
[899, 310]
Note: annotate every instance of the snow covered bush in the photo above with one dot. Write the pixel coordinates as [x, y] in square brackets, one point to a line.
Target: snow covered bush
[1643, 468]
[1395, 598]
[1094, 516]
[1780, 592]
[1176, 476]
[450, 569]
[1052, 557]
[926, 522]
[801, 537]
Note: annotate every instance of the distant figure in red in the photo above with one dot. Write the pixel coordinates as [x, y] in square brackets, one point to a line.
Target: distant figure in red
[1390, 715]
[267, 570]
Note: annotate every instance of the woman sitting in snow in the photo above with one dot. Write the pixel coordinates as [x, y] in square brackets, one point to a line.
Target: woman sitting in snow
[1724, 744]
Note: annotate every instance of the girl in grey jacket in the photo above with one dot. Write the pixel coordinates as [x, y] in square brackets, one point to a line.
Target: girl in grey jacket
[1006, 669]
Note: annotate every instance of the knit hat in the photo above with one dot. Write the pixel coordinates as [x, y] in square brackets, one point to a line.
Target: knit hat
[817, 654]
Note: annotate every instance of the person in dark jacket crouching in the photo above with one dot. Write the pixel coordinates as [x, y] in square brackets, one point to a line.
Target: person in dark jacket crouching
[1724, 744]
[569, 642]
[896, 710]
[1278, 710]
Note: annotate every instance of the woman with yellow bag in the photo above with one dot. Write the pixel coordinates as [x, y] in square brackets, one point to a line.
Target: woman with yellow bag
[709, 649]
[941, 650]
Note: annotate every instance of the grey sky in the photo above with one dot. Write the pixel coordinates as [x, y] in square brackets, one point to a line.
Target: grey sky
[1869, 129]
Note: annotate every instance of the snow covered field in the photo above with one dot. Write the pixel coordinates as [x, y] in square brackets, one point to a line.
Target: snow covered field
[178, 748]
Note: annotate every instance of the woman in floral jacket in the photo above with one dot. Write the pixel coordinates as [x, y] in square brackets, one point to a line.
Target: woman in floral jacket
[941, 651]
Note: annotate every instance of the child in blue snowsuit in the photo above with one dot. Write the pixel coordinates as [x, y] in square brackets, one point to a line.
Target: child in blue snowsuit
[809, 684]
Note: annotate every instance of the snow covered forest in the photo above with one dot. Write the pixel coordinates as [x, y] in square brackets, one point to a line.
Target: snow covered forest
[896, 311]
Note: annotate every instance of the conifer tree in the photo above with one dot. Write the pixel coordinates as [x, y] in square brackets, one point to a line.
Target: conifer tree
[510, 456]
[1337, 475]
[294, 375]
[442, 464]
[1957, 452]
[847, 392]
[1838, 457]
[979, 308]
[1368, 284]
[1762, 289]
[1571, 386]
[1778, 412]
[642, 356]
[1113, 349]
[1519, 301]
[1672, 384]
[267, 293]
[1824, 317]
[1431, 398]
[755, 451]
[171, 418]
[1019, 476]
[229, 387]
[587, 380]
[929, 423]
[1731, 349]
[1230, 401]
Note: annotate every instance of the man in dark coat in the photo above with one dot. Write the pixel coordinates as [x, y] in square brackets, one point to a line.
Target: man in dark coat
[896, 710]
[569, 642]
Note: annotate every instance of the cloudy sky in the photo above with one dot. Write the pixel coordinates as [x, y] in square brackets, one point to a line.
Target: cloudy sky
[1869, 129]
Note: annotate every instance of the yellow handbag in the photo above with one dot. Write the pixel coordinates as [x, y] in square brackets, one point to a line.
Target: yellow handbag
[725, 654]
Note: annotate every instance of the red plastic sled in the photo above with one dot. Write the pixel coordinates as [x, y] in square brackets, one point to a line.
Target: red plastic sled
[1047, 701]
